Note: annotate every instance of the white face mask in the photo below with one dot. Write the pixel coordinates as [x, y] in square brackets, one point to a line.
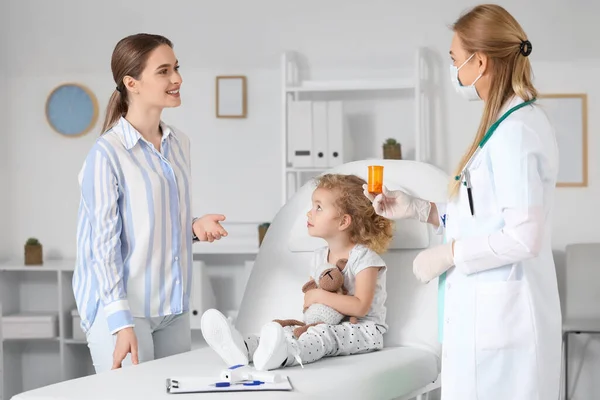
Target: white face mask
[468, 92]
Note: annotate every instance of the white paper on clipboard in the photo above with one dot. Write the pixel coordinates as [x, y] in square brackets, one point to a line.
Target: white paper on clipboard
[188, 384]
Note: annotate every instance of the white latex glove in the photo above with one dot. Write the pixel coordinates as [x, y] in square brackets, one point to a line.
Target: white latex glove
[397, 204]
[431, 263]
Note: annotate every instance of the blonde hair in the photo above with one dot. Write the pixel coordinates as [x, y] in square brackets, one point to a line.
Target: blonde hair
[128, 59]
[489, 29]
[366, 227]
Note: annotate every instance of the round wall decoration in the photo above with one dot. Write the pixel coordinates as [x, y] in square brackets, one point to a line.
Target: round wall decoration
[72, 109]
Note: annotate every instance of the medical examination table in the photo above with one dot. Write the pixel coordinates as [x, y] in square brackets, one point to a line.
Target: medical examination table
[407, 367]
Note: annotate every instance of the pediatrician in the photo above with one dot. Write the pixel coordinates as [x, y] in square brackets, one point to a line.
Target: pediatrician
[501, 316]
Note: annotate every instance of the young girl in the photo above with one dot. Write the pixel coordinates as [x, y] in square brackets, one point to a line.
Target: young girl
[345, 218]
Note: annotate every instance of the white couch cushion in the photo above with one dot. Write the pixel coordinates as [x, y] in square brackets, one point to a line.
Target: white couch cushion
[380, 375]
[274, 288]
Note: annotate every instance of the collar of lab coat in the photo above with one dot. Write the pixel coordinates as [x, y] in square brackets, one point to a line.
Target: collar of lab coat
[512, 102]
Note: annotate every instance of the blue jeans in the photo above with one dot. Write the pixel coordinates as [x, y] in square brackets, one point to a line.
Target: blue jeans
[157, 338]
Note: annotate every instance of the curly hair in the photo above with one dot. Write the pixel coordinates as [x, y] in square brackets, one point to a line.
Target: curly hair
[366, 228]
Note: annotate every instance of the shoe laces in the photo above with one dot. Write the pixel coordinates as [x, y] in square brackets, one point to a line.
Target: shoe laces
[294, 350]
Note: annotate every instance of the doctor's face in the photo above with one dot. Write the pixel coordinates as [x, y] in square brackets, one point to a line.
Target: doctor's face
[468, 70]
[324, 217]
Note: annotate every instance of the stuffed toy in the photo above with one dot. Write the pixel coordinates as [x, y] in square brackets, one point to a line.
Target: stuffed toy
[331, 279]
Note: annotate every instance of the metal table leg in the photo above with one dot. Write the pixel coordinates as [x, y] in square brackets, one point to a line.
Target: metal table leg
[566, 340]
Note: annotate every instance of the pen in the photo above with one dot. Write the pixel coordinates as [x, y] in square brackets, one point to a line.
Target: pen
[468, 182]
[247, 383]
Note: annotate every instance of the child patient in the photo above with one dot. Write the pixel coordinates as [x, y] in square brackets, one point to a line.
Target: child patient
[345, 218]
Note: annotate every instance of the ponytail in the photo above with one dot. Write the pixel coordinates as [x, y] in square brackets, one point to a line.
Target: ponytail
[522, 79]
[117, 107]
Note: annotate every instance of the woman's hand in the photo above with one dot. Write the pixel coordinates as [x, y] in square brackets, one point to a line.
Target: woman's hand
[126, 343]
[312, 296]
[396, 204]
[208, 228]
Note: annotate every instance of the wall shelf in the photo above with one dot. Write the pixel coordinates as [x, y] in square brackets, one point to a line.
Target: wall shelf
[353, 85]
[296, 87]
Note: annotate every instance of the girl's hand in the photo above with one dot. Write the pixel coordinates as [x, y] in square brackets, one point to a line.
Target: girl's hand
[311, 297]
[208, 228]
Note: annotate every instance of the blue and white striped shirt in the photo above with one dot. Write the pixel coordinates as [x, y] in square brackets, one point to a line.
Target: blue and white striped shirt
[134, 233]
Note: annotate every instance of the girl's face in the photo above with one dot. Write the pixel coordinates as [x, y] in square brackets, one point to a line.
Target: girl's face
[160, 81]
[324, 218]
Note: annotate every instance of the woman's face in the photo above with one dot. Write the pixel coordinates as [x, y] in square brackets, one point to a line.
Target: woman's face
[471, 67]
[160, 81]
[465, 62]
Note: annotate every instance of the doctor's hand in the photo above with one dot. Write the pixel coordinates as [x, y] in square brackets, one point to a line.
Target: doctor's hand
[208, 228]
[126, 343]
[396, 204]
[431, 263]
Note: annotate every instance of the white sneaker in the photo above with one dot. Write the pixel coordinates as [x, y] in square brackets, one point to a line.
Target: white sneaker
[223, 338]
[273, 349]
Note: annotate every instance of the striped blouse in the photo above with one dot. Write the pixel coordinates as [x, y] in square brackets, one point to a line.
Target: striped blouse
[134, 232]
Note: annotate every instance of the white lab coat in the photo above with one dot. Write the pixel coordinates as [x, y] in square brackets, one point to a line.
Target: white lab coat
[502, 317]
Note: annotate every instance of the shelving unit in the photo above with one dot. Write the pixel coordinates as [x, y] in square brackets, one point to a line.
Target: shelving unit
[294, 88]
[28, 363]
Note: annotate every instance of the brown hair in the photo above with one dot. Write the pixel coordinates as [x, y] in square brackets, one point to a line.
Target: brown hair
[489, 29]
[367, 228]
[129, 59]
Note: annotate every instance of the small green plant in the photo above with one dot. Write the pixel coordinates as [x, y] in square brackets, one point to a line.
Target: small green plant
[32, 242]
[391, 142]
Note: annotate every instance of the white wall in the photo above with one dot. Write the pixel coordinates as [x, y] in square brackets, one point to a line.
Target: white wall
[5, 227]
[4, 165]
[58, 42]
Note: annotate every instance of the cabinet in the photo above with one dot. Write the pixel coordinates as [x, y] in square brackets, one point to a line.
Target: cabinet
[37, 302]
[42, 294]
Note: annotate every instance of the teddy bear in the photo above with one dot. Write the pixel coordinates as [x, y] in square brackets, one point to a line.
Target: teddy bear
[331, 279]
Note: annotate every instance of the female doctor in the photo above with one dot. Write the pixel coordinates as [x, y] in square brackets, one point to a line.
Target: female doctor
[501, 318]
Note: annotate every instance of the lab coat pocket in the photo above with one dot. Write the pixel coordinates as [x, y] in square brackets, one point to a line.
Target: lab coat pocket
[482, 187]
[503, 316]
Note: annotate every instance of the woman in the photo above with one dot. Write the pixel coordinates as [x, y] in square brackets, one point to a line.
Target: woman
[501, 318]
[132, 279]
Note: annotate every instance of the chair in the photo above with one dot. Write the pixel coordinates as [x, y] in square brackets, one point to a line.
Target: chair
[409, 365]
[582, 295]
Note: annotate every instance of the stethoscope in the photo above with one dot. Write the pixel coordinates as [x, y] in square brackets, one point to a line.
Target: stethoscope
[465, 174]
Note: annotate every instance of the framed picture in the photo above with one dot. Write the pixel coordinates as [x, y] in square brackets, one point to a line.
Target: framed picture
[568, 114]
[231, 97]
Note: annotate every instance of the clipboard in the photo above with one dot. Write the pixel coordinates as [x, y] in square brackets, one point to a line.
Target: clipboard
[189, 384]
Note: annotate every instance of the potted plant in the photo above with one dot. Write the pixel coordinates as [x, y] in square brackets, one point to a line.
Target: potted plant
[262, 231]
[392, 150]
[33, 252]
